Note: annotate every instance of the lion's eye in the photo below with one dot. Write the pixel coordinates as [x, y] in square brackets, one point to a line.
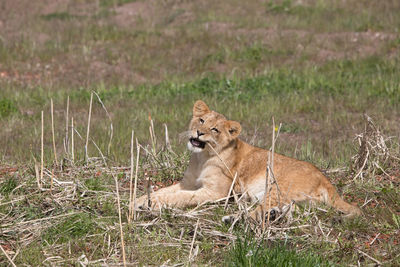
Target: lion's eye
[201, 121]
[215, 130]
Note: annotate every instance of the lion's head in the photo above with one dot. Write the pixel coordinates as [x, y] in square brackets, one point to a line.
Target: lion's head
[209, 128]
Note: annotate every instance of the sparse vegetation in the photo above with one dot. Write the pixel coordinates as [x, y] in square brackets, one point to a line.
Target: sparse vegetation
[315, 66]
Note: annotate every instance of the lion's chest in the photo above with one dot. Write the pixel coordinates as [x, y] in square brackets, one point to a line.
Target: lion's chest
[201, 172]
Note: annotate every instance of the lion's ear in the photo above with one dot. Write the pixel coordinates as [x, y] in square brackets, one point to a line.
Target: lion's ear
[200, 108]
[233, 128]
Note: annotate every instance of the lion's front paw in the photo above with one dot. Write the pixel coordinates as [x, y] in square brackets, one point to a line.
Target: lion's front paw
[145, 203]
[271, 216]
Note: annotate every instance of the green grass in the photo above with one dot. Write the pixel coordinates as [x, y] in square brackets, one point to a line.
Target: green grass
[7, 107]
[247, 251]
[8, 185]
[75, 226]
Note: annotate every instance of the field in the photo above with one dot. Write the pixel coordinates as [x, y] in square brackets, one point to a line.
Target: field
[329, 71]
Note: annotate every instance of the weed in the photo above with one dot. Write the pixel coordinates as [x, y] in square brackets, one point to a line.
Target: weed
[247, 251]
[7, 107]
[59, 16]
[76, 226]
[8, 185]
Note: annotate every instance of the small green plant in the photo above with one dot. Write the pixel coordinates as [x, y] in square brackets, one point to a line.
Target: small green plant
[74, 226]
[94, 184]
[279, 6]
[8, 185]
[7, 107]
[59, 16]
[249, 252]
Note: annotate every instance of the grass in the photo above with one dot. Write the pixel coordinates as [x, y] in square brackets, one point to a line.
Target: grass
[315, 66]
[249, 252]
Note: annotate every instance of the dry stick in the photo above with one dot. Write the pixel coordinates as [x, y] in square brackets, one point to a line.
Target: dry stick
[136, 177]
[72, 140]
[194, 238]
[167, 143]
[37, 173]
[368, 256]
[88, 128]
[66, 145]
[120, 221]
[230, 191]
[52, 130]
[226, 166]
[130, 211]
[51, 180]
[8, 257]
[41, 154]
[269, 176]
[101, 153]
[152, 135]
[111, 125]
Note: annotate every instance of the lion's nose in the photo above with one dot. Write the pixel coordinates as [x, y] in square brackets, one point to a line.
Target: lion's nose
[199, 133]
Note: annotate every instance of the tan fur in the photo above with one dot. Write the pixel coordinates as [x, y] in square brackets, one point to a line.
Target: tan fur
[208, 179]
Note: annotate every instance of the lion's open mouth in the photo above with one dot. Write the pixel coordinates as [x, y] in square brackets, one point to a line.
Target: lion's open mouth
[197, 143]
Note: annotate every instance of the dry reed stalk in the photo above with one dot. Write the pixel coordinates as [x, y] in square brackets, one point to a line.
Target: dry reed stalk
[269, 178]
[230, 191]
[66, 141]
[194, 238]
[167, 143]
[136, 178]
[120, 221]
[101, 153]
[51, 180]
[111, 125]
[88, 129]
[72, 141]
[41, 153]
[226, 166]
[52, 130]
[8, 257]
[152, 135]
[130, 211]
[37, 173]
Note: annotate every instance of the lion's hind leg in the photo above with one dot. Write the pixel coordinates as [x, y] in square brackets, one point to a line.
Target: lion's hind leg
[327, 193]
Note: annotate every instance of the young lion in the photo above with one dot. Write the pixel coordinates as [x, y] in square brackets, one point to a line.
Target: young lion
[216, 147]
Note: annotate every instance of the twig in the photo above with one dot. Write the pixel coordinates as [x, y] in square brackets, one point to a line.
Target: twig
[51, 180]
[368, 256]
[230, 191]
[268, 181]
[66, 145]
[152, 135]
[194, 238]
[167, 143]
[41, 154]
[37, 173]
[136, 177]
[101, 153]
[111, 125]
[52, 130]
[72, 140]
[373, 240]
[88, 129]
[130, 212]
[8, 257]
[226, 166]
[120, 221]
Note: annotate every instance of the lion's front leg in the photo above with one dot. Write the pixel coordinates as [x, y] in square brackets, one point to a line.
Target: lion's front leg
[183, 198]
[142, 202]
